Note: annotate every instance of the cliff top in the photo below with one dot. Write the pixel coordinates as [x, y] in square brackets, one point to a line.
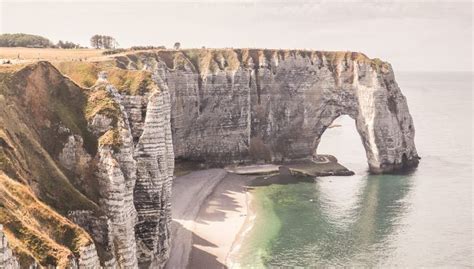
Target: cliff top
[233, 56]
[127, 71]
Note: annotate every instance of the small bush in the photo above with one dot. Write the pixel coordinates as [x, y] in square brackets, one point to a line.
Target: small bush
[147, 47]
[114, 51]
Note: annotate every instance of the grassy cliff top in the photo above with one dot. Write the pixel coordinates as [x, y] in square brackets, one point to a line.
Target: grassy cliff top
[127, 70]
[205, 61]
[234, 57]
[85, 74]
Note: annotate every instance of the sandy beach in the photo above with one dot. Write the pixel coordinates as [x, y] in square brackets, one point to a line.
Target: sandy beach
[207, 218]
[210, 208]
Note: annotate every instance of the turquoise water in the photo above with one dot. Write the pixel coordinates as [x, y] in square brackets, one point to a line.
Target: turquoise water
[420, 219]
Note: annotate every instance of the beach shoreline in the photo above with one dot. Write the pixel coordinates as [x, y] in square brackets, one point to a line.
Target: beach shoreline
[189, 192]
[208, 218]
[247, 226]
[213, 209]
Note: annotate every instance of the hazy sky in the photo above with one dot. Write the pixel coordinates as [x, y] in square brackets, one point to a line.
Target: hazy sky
[426, 36]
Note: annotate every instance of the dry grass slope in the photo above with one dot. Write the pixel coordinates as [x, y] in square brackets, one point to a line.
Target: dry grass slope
[35, 103]
[35, 231]
[131, 82]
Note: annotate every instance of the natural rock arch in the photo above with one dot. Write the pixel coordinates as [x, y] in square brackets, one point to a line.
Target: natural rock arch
[382, 121]
[273, 105]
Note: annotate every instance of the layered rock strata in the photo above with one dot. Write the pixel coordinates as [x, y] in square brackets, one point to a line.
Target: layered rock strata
[113, 153]
[274, 105]
[135, 174]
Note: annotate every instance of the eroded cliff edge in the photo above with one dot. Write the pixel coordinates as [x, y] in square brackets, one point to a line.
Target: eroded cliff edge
[89, 147]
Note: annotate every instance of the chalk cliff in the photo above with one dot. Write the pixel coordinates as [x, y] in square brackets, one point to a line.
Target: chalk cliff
[7, 260]
[100, 157]
[274, 105]
[87, 149]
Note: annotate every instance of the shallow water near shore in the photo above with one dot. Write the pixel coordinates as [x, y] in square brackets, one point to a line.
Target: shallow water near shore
[420, 219]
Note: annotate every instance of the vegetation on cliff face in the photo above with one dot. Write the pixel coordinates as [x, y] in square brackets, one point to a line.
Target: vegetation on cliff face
[132, 82]
[209, 61]
[111, 138]
[101, 102]
[83, 73]
[35, 231]
[39, 109]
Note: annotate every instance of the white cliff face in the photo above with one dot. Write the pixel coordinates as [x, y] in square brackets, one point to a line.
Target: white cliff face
[100, 124]
[135, 178]
[7, 260]
[88, 258]
[155, 161]
[275, 105]
[73, 156]
[119, 209]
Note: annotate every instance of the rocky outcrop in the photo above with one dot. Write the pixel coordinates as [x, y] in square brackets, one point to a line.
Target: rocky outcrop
[7, 260]
[155, 163]
[274, 105]
[137, 177]
[113, 148]
[135, 169]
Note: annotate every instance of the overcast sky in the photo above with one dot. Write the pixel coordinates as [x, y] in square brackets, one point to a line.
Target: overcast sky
[422, 36]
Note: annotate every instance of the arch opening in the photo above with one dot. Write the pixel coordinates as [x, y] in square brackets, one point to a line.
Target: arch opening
[342, 140]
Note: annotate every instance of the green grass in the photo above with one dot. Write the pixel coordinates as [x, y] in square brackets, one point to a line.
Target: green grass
[131, 82]
[101, 102]
[111, 138]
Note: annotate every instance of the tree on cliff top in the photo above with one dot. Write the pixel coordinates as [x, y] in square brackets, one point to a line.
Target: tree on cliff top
[67, 45]
[24, 40]
[103, 42]
[177, 46]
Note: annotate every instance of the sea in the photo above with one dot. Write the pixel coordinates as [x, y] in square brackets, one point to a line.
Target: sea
[421, 219]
